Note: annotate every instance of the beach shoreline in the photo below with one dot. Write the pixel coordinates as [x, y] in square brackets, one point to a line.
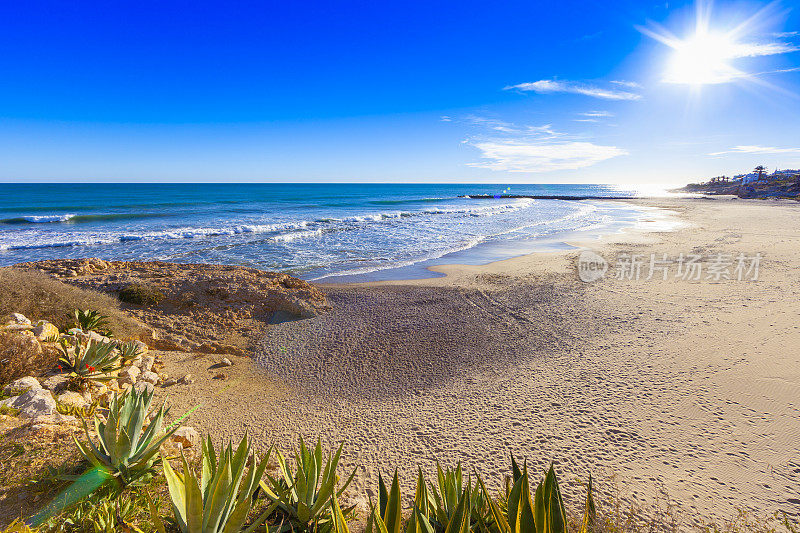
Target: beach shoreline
[672, 390]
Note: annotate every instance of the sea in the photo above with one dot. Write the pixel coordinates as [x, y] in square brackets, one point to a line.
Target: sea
[324, 232]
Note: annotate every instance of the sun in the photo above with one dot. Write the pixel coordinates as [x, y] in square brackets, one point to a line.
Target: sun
[702, 59]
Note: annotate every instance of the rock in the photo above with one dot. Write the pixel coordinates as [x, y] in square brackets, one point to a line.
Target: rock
[129, 374]
[220, 375]
[149, 377]
[45, 331]
[186, 380]
[55, 418]
[225, 362]
[21, 385]
[187, 436]
[21, 328]
[75, 331]
[18, 318]
[73, 399]
[56, 383]
[146, 364]
[142, 386]
[35, 403]
[169, 382]
[92, 336]
[8, 402]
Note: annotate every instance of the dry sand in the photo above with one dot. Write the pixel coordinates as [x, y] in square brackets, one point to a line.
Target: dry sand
[689, 386]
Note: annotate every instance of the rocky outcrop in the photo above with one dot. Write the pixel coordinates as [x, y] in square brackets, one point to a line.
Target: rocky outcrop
[205, 308]
[37, 402]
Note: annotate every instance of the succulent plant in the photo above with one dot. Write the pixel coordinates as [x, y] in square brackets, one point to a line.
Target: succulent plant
[129, 351]
[91, 361]
[220, 499]
[126, 449]
[90, 320]
[304, 498]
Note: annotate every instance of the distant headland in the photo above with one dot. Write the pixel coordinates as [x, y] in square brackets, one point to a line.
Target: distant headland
[756, 184]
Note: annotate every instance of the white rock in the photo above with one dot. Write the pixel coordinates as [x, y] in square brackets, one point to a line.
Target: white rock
[18, 318]
[149, 377]
[143, 386]
[225, 362]
[73, 399]
[35, 403]
[22, 385]
[187, 436]
[128, 375]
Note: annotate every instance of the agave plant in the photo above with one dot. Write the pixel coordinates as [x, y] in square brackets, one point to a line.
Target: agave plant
[220, 499]
[307, 498]
[127, 450]
[542, 512]
[92, 361]
[129, 351]
[387, 516]
[90, 320]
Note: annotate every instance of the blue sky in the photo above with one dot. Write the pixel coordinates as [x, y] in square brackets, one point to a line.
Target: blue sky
[505, 92]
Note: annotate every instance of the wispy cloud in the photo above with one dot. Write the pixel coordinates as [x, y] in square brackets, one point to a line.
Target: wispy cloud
[628, 84]
[557, 86]
[761, 49]
[524, 148]
[445, 118]
[755, 149]
[597, 114]
[520, 156]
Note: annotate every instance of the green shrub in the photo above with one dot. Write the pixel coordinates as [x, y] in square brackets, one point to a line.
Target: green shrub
[141, 294]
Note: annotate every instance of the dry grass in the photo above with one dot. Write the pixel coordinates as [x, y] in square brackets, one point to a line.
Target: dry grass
[21, 356]
[40, 297]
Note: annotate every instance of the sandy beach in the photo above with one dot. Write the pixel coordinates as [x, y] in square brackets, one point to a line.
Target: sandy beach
[684, 387]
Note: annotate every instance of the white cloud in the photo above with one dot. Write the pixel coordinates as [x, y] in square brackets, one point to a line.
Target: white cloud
[531, 156]
[597, 114]
[556, 86]
[445, 118]
[628, 84]
[761, 49]
[585, 120]
[755, 149]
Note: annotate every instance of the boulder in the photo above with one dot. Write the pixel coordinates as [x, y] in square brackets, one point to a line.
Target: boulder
[8, 402]
[225, 362]
[149, 377]
[18, 386]
[142, 386]
[56, 383]
[73, 399]
[187, 436]
[45, 331]
[35, 403]
[18, 319]
[128, 375]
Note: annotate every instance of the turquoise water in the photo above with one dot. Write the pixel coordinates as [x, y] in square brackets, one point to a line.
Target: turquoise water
[314, 231]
